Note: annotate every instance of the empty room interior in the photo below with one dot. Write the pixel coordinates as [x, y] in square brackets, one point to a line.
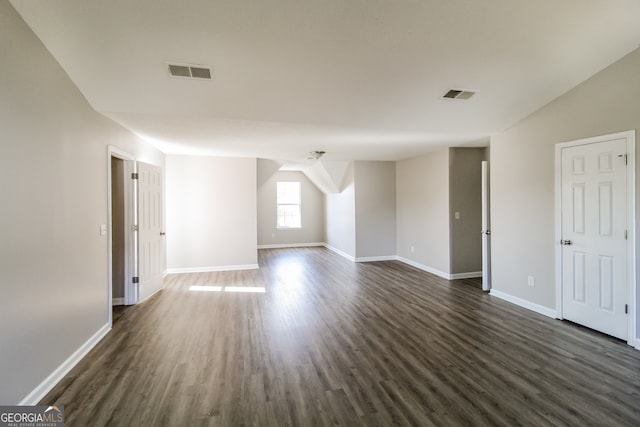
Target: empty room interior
[321, 212]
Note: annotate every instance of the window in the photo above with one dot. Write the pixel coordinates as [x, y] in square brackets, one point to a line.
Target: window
[288, 196]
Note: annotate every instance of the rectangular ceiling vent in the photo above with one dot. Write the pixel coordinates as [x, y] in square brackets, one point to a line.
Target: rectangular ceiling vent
[458, 94]
[189, 71]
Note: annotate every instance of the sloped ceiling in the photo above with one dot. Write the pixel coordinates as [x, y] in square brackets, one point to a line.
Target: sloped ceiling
[359, 79]
[328, 175]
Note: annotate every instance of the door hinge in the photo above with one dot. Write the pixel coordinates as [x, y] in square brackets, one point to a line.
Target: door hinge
[625, 234]
[135, 228]
[136, 279]
[134, 175]
[626, 309]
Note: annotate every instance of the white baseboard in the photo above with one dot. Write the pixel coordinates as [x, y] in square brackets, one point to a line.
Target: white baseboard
[210, 269]
[341, 253]
[377, 258]
[291, 245]
[117, 301]
[336, 250]
[45, 386]
[425, 268]
[469, 275]
[524, 303]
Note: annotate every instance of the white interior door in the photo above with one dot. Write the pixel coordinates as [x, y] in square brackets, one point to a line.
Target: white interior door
[486, 231]
[594, 280]
[150, 229]
[130, 238]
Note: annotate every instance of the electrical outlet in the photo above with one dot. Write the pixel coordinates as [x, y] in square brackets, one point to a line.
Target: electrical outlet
[531, 281]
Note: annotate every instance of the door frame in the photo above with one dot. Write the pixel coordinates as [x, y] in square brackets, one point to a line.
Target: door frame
[630, 136]
[129, 215]
[486, 228]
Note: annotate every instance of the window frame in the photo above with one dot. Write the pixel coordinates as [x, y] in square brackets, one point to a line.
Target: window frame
[298, 205]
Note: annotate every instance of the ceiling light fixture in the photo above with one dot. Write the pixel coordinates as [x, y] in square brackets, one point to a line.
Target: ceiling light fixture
[315, 155]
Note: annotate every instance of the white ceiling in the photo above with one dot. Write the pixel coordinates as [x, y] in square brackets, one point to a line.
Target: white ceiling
[359, 79]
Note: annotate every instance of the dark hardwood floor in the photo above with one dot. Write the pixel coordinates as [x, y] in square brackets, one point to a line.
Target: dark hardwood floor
[331, 342]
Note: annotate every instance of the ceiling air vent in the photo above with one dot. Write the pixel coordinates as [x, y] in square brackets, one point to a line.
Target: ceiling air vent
[458, 94]
[189, 71]
[200, 73]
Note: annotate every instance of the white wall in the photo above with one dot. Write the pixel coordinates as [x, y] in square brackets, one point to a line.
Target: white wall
[422, 193]
[312, 231]
[53, 168]
[375, 209]
[340, 218]
[211, 213]
[522, 175]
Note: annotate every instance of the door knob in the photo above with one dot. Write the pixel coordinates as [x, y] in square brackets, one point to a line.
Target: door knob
[565, 242]
[162, 233]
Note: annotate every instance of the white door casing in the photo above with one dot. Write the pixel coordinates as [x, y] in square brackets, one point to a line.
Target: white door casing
[150, 229]
[595, 233]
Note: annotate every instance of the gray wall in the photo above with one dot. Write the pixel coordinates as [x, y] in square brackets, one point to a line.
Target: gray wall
[465, 197]
[522, 174]
[211, 213]
[312, 230]
[375, 209]
[340, 217]
[422, 194]
[54, 167]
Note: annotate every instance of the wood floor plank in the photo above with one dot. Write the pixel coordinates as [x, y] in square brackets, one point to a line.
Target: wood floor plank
[332, 342]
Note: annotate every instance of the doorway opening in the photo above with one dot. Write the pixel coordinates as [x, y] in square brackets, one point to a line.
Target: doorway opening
[468, 205]
[118, 251]
[119, 210]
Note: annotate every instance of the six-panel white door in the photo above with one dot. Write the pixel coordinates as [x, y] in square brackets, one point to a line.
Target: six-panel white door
[150, 230]
[594, 227]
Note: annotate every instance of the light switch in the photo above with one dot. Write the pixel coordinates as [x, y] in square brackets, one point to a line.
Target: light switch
[103, 229]
[457, 215]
